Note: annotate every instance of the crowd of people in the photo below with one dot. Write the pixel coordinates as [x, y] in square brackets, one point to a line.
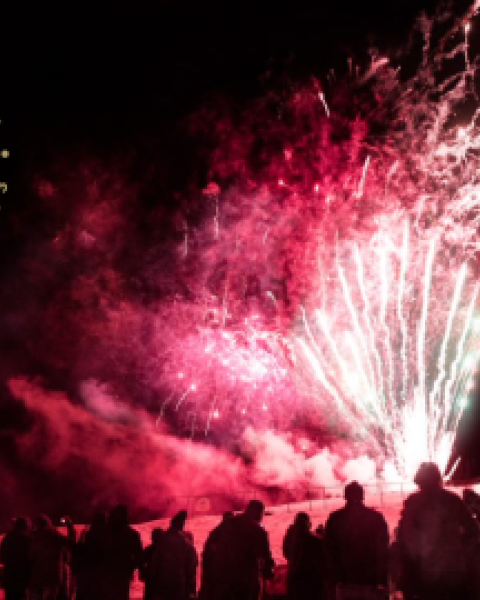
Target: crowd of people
[434, 554]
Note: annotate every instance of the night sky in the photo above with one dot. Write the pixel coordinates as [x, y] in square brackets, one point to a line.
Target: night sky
[122, 81]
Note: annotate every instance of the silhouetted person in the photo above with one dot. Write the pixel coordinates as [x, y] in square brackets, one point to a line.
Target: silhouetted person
[15, 556]
[436, 533]
[357, 542]
[123, 554]
[243, 557]
[208, 558]
[146, 567]
[89, 559]
[48, 555]
[306, 556]
[173, 565]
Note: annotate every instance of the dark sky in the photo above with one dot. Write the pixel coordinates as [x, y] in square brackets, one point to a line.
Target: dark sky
[152, 60]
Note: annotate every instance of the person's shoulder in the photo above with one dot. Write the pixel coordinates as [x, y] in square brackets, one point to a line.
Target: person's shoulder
[452, 496]
[336, 514]
[375, 513]
[412, 499]
[453, 500]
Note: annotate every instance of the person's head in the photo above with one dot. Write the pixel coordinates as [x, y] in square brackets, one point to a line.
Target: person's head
[255, 510]
[21, 525]
[302, 521]
[99, 520]
[428, 477]
[42, 522]
[354, 493]
[189, 537]
[178, 521]
[228, 514]
[156, 535]
[119, 516]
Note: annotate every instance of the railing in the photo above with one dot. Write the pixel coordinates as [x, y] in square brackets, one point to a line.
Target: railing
[378, 494]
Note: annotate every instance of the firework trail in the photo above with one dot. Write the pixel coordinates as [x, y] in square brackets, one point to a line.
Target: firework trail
[417, 399]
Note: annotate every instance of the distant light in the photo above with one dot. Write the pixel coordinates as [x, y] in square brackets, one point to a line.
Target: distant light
[467, 27]
[243, 411]
[193, 387]
[316, 188]
[265, 407]
[216, 414]
[281, 182]
[180, 375]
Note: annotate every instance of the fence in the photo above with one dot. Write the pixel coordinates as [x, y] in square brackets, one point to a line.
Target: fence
[378, 494]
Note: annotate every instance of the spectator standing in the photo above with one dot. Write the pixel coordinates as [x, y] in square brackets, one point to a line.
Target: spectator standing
[49, 550]
[243, 558]
[306, 556]
[15, 557]
[173, 566]
[357, 542]
[208, 558]
[123, 554]
[89, 559]
[146, 567]
[436, 534]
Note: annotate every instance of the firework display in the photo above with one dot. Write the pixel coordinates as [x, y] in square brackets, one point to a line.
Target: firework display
[335, 270]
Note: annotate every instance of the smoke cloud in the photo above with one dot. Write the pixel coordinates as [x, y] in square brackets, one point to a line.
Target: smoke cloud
[106, 451]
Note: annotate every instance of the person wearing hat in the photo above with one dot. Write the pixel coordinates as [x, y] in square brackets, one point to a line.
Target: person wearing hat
[243, 557]
[435, 534]
[357, 543]
[173, 567]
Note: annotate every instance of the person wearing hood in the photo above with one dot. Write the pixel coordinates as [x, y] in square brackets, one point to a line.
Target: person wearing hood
[436, 533]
